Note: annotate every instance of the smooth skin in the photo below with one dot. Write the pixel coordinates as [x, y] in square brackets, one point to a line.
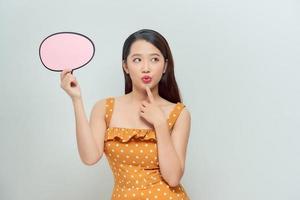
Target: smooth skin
[147, 110]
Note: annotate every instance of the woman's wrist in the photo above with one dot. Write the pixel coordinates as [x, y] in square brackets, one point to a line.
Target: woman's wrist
[76, 99]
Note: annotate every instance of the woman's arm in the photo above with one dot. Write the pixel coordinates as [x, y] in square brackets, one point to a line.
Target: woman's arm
[172, 147]
[90, 135]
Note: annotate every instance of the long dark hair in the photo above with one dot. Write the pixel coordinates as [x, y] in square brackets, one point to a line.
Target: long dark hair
[167, 87]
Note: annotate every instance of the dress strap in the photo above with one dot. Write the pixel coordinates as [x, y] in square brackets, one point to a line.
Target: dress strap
[109, 106]
[174, 114]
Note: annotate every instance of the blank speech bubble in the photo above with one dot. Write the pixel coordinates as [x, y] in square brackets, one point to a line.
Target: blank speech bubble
[66, 50]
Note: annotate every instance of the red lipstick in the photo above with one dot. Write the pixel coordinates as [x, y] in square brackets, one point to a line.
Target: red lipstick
[146, 79]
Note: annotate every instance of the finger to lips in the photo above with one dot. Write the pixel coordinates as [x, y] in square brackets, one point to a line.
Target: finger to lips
[149, 94]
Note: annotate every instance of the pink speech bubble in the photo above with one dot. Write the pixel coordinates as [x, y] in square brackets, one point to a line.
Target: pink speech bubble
[66, 50]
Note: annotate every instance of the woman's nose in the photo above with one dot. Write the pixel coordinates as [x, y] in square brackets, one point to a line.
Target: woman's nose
[146, 67]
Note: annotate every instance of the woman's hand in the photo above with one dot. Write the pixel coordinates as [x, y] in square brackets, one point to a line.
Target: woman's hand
[70, 84]
[150, 111]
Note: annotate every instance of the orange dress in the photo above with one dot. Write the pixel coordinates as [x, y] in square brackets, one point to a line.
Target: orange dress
[133, 158]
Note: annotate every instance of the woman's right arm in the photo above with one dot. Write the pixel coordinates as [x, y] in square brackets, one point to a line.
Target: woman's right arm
[89, 134]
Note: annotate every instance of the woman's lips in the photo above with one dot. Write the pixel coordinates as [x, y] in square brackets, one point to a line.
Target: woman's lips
[146, 79]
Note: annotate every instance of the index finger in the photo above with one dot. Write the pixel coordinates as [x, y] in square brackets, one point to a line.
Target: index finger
[149, 94]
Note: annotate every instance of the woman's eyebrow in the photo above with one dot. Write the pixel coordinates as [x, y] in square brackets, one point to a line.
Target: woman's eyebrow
[137, 54]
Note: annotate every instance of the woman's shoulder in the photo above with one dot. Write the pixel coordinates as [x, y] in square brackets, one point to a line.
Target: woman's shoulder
[103, 100]
[101, 103]
[179, 107]
[167, 103]
[107, 101]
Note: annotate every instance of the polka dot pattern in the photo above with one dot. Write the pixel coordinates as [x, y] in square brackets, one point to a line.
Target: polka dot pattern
[133, 157]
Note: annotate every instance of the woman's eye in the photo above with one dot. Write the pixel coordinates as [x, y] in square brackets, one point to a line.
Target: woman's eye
[155, 59]
[136, 59]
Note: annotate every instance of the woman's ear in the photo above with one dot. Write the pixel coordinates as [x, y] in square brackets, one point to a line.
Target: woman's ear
[125, 67]
[166, 64]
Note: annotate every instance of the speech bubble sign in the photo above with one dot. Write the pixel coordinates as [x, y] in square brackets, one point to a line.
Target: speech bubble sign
[66, 50]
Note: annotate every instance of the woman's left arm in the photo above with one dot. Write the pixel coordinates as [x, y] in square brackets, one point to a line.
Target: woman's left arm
[172, 147]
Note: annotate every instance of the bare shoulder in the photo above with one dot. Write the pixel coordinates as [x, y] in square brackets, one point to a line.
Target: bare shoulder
[102, 102]
[121, 99]
[169, 106]
[166, 104]
[99, 106]
[184, 115]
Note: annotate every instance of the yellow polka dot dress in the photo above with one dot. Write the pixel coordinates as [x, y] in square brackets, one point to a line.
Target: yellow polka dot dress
[133, 157]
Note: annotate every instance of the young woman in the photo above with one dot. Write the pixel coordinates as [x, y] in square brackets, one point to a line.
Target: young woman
[144, 133]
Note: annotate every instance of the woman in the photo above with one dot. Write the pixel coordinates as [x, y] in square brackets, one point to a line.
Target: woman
[144, 133]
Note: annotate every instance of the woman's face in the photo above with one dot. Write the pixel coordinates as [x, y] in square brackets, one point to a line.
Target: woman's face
[144, 60]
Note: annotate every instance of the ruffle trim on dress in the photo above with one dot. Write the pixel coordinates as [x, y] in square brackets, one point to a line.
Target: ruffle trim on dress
[126, 134]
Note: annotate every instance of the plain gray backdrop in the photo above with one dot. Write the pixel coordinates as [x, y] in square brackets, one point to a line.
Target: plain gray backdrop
[237, 67]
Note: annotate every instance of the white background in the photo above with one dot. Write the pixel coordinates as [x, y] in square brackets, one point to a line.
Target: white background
[237, 66]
